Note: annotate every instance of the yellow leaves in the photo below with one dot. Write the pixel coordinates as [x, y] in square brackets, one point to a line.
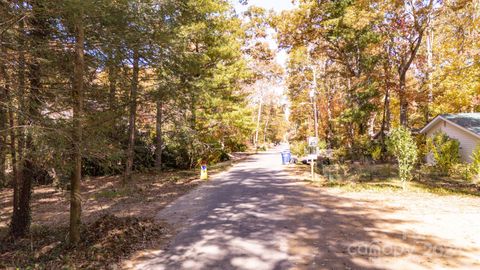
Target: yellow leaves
[357, 18]
[374, 49]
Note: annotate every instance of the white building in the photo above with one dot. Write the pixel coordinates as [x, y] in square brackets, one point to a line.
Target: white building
[464, 127]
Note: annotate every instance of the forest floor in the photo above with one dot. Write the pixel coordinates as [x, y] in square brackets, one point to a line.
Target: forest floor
[117, 220]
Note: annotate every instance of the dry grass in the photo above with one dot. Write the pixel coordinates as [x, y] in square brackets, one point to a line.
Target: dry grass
[117, 221]
[383, 178]
[433, 223]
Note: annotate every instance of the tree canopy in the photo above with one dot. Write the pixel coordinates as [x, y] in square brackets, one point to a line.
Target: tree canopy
[380, 64]
[113, 87]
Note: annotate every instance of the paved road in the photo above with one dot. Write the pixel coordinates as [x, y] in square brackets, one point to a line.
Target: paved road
[238, 220]
[254, 216]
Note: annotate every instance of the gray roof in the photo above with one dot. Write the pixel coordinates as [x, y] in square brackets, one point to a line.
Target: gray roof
[470, 121]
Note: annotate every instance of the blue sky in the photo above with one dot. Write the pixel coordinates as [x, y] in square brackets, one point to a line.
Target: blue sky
[277, 6]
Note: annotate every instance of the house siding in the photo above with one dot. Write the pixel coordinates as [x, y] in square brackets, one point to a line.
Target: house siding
[468, 142]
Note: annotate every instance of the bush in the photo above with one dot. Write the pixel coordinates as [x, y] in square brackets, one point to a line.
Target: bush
[322, 145]
[340, 154]
[422, 145]
[298, 148]
[376, 152]
[445, 151]
[361, 148]
[475, 166]
[401, 144]
[461, 171]
[235, 146]
[262, 148]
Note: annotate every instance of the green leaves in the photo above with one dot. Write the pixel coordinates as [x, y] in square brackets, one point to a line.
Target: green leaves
[475, 166]
[445, 151]
[402, 145]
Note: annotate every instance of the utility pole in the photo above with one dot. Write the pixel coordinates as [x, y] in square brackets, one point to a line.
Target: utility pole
[313, 90]
[315, 114]
[315, 117]
[259, 115]
[429, 41]
[314, 102]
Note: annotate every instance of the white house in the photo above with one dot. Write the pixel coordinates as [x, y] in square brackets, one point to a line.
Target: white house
[465, 127]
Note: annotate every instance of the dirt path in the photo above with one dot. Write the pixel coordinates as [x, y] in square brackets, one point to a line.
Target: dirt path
[256, 216]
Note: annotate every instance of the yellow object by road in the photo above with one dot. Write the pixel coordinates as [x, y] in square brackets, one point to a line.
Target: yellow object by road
[203, 172]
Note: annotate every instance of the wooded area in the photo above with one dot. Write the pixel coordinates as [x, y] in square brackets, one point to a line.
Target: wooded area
[135, 89]
[379, 64]
[93, 88]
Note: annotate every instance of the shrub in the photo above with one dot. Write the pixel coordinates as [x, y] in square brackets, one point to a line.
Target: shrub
[461, 171]
[298, 148]
[475, 166]
[401, 144]
[445, 151]
[340, 154]
[361, 148]
[262, 148]
[376, 152]
[322, 144]
[422, 145]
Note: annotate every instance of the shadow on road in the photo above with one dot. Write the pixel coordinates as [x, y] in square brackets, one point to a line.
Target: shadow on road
[262, 219]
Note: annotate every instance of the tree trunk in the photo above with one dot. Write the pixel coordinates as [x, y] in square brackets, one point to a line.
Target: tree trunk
[31, 115]
[3, 121]
[265, 129]
[314, 101]
[21, 95]
[12, 132]
[193, 129]
[403, 100]
[21, 218]
[371, 124]
[402, 72]
[193, 110]
[385, 118]
[158, 138]
[5, 107]
[29, 168]
[112, 82]
[329, 94]
[329, 118]
[13, 152]
[20, 222]
[429, 71]
[132, 119]
[77, 97]
[259, 114]
[350, 126]
[113, 71]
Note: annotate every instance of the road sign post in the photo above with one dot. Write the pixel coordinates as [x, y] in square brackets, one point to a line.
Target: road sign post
[313, 143]
[312, 164]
